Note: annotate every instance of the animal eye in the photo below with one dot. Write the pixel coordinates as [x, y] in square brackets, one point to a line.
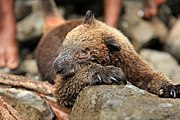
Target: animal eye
[86, 48]
[112, 45]
[84, 51]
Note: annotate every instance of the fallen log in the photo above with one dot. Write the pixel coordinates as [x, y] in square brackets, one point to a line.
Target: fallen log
[27, 83]
[7, 112]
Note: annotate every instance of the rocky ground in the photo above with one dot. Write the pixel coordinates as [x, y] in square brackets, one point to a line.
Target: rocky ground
[157, 40]
[123, 103]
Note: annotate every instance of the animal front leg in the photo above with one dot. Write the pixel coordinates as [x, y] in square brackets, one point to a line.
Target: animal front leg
[92, 74]
[162, 86]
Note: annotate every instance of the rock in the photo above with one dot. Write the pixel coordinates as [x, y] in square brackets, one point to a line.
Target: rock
[173, 40]
[22, 8]
[30, 27]
[175, 76]
[139, 30]
[7, 112]
[115, 102]
[30, 103]
[15, 72]
[25, 112]
[160, 30]
[165, 14]
[29, 66]
[174, 5]
[160, 61]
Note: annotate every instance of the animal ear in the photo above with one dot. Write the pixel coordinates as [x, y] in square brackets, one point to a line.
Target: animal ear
[89, 17]
[112, 45]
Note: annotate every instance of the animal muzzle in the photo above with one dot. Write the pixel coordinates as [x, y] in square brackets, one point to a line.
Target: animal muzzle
[65, 65]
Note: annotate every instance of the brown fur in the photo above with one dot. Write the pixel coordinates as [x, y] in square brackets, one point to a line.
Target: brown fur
[85, 56]
[50, 46]
[67, 90]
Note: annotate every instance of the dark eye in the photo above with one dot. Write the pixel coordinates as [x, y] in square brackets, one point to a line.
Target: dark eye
[112, 45]
[84, 51]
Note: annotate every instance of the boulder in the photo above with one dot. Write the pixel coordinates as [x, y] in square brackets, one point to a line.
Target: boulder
[22, 8]
[139, 30]
[113, 102]
[159, 28]
[160, 61]
[29, 66]
[30, 27]
[175, 76]
[173, 40]
[28, 104]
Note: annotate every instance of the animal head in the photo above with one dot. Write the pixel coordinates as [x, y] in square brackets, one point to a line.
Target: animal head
[92, 41]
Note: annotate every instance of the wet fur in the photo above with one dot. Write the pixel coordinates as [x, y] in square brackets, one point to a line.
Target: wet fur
[50, 46]
[89, 49]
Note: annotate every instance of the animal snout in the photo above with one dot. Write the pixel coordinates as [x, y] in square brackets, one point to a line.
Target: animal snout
[64, 67]
[58, 66]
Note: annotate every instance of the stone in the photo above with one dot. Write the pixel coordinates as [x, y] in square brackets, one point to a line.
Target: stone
[30, 27]
[29, 66]
[174, 75]
[28, 102]
[160, 29]
[174, 5]
[25, 112]
[173, 40]
[159, 60]
[113, 102]
[22, 8]
[139, 30]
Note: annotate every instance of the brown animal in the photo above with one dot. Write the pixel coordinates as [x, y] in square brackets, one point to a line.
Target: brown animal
[94, 53]
[50, 46]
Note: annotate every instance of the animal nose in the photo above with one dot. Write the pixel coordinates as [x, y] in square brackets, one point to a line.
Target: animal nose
[58, 67]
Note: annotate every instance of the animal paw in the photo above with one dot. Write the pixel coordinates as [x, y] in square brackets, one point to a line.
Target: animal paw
[109, 75]
[170, 91]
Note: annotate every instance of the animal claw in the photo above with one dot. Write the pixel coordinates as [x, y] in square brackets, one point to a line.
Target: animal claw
[173, 93]
[114, 79]
[98, 79]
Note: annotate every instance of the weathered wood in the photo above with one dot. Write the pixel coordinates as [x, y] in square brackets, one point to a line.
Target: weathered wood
[7, 112]
[23, 82]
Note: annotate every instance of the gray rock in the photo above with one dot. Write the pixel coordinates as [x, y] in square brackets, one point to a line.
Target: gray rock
[175, 76]
[24, 96]
[173, 40]
[139, 30]
[159, 28]
[160, 61]
[30, 99]
[25, 112]
[123, 103]
[22, 8]
[29, 66]
[30, 27]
